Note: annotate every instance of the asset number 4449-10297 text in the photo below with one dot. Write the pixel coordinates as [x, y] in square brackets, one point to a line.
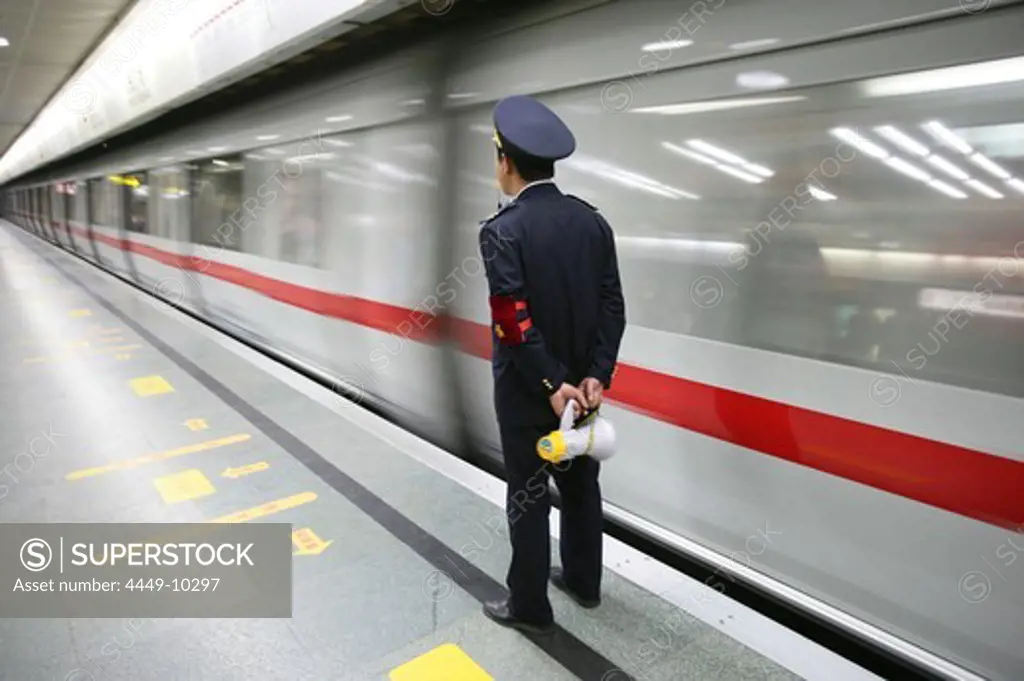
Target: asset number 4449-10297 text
[184, 584]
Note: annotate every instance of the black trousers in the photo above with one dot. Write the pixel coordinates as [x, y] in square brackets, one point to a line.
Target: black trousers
[528, 506]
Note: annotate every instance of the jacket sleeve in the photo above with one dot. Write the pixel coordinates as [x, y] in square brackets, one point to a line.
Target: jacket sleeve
[611, 322]
[511, 324]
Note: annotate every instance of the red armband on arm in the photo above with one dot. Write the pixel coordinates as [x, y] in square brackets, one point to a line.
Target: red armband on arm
[508, 327]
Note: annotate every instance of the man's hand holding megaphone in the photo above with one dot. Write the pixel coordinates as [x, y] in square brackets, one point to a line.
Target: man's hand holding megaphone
[587, 396]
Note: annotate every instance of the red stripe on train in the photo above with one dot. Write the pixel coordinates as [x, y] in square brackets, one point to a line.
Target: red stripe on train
[957, 479]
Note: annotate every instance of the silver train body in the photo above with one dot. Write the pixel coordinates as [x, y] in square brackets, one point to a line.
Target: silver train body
[821, 247]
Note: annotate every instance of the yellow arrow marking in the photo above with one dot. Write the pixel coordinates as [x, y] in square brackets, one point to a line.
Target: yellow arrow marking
[235, 473]
[267, 509]
[307, 543]
[159, 456]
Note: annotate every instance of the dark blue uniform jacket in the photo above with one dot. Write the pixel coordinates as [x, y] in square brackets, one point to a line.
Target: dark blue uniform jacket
[557, 313]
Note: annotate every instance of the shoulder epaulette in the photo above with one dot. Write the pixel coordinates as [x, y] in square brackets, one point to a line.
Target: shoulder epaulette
[585, 203]
[508, 206]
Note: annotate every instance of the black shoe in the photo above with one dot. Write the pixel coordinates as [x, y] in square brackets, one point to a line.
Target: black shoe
[558, 579]
[500, 612]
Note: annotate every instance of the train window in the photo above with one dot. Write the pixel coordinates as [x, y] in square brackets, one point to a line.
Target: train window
[107, 202]
[79, 203]
[283, 204]
[217, 202]
[71, 201]
[137, 186]
[169, 203]
[754, 222]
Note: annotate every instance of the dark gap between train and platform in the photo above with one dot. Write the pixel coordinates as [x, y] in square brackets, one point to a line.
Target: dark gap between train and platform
[821, 631]
[564, 647]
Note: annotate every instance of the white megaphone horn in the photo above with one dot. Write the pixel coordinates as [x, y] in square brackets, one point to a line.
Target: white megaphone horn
[593, 437]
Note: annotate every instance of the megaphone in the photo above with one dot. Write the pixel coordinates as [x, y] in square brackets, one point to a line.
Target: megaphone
[593, 436]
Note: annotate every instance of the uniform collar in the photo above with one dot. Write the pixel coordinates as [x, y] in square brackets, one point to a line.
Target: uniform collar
[531, 185]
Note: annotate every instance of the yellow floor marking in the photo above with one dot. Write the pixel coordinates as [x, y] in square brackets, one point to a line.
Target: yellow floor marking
[159, 456]
[444, 663]
[120, 348]
[307, 543]
[150, 385]
[196, 424]
[190, 484]
[122, 357]
[267, 509]
[111, 339]
[77, 344]
[235, 473]
[81, 313]
[38, 360]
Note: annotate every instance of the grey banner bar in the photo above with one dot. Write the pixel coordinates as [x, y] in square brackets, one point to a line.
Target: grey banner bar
[146, 570]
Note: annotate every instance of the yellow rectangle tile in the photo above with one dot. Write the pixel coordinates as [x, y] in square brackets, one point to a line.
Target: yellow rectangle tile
[81, 313]
[150, 385]
[190, 484]
[444, 663]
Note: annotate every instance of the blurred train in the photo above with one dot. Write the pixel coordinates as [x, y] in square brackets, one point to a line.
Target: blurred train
[818, 210]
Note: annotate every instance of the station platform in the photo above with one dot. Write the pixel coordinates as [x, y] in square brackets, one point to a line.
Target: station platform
[156, 417]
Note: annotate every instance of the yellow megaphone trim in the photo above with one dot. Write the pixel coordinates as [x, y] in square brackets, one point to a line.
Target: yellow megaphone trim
[552, 446]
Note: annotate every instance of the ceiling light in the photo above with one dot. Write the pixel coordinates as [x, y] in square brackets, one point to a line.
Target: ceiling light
[628, 178]
[935, 80]
[700, 158]
[984, 189]
[986, 164]
[946, 136]
[338, 119]
[752, 44]
[216, 148]
[729, 170]
[1016, 184]
[746, 177]
[946, 189]
[666, 45]
[266, 138]
[716, 105]
[218, 162]
[947, 167]
[898, 138]
[821, 194]
[4, 42]
[907, 169]
[758, 169]
[761, 80]
[712, 150]
[852, 138]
